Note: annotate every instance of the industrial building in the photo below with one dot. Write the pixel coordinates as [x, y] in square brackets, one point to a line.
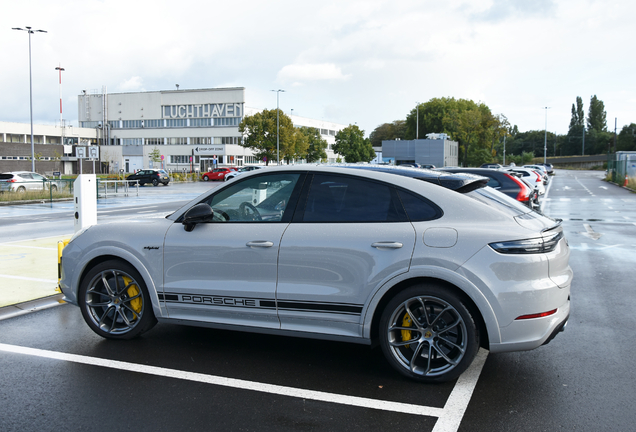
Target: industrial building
[436, 149]
[191, 129]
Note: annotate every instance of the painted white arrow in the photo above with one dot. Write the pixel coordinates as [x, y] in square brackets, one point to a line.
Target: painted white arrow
[589, 232]
[603, 187]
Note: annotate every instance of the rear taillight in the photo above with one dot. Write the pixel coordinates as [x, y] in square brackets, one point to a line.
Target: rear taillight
[537, 315]
[11, 181]
[539, 179]
[524, 191]
[528, 246]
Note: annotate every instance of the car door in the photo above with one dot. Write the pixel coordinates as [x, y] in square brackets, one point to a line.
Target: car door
[350, 237]
[225, 271]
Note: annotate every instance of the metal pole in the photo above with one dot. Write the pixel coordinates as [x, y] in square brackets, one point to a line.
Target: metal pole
[504, 157]
[545, 141]
[28, 30]
[583, 149]
[277, 128]
[417, 120]
[615, 122]
[60, 68]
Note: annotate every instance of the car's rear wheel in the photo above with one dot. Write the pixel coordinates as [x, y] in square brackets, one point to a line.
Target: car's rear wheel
[114, 301]
[206, 178]
[21, 189]
[155, 182]
[53, 188]
[428, 334]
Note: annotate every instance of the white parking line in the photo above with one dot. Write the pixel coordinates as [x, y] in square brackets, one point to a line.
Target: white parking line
[449, 417]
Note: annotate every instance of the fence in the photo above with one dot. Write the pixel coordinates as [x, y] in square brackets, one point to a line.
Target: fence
[621, 171]
[116, 187]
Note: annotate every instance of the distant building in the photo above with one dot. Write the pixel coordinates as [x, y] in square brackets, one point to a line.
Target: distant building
[192, 129]
[439, 151]
[53, 147]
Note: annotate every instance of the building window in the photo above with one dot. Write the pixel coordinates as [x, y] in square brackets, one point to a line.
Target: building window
[227, 121]
[114, 124]
[132, 141]
[153, 123]
[130, 124]
[230, 140]
[178, 141]
[176, 122]
[154, 141]
[200, 140]
[179, 159]
[200, 122]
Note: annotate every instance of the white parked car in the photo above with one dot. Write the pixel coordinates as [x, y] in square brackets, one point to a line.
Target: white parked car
[22, 181]
[430, 264]
[242, 170]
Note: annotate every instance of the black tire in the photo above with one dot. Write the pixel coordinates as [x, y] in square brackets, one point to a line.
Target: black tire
[442, 333]
[206, 178]
[21, 189]
[53, 188]
[141, 183]
[115, 302]
[155, 182]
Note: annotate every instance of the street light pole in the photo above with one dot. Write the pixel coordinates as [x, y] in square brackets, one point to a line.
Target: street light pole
[545, 142]
[417, 120]
[60, 68]
[277, 128]
[28, 29]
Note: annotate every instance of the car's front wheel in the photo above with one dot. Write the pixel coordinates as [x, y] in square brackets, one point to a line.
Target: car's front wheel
[428, 334]
[114, 301]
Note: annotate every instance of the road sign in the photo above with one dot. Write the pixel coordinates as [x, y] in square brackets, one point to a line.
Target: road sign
[80, 152]
[93, 152]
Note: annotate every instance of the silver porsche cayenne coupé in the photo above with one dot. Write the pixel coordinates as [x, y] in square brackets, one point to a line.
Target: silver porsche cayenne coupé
[431, 265]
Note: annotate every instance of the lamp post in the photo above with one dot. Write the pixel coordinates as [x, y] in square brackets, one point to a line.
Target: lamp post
[28, 29]
[417, 120]
[545, 142]
[277, 128]
[60, 68]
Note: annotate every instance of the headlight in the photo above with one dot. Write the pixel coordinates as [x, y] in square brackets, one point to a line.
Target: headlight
[528, 246]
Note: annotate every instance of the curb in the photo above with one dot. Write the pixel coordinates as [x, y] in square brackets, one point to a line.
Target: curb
[40, 201]
[24, 308]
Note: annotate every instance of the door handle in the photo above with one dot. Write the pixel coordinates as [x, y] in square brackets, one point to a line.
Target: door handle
[387, 245]
[259, 243]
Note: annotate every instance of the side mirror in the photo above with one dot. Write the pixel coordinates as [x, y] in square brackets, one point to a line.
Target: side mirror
[200, 213]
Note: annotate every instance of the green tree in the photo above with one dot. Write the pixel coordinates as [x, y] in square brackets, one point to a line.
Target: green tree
[471, 124]
[155, 155]
[597, 117]
[259, 131]
[388, 131]
[351, 144]
[316, 145]
[578, 114]
[626, 140]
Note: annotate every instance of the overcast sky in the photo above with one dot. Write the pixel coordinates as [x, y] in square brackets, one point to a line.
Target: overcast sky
[366, 62]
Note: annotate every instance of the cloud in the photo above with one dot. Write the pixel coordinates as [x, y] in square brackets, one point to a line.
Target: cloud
[299, 73]
[133, 84]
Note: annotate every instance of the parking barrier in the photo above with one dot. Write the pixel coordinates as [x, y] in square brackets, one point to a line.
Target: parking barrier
[118, 187]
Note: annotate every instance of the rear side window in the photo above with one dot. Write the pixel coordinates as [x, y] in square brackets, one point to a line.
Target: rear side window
[336, 198]
[419, 208]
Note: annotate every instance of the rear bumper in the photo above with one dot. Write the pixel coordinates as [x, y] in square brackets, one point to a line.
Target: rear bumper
[523, 335]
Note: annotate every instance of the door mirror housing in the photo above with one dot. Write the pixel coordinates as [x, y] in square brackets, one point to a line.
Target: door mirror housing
[200, 213]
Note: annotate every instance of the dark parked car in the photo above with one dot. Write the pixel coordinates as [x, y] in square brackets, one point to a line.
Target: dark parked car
[504, 182]
[154, 176]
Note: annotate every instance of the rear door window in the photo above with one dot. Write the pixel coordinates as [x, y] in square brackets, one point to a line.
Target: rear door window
[339, 198]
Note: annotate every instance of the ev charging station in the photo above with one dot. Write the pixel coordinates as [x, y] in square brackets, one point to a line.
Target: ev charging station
[85, 199]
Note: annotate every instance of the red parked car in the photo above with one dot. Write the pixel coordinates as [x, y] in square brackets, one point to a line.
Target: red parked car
[217, 174]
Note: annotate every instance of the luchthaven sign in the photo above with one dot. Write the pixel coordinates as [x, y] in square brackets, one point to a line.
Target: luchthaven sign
[203, 110]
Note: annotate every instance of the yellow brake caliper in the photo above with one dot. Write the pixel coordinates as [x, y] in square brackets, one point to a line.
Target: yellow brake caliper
[133, 291]
[406, 322]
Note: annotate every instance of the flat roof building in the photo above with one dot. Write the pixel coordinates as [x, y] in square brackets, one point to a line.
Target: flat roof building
[438, 151]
